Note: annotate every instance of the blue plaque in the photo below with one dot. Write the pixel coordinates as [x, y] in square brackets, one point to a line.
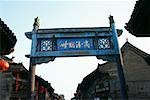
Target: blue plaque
[75, 44]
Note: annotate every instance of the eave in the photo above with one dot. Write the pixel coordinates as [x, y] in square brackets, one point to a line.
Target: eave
[7, 39]
[139, 22]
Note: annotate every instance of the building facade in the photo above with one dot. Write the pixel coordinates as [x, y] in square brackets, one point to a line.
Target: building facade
[95, 85]
[14, 84]
[136, 70]
[137, 74]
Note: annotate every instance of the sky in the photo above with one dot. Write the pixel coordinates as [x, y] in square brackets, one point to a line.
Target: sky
[65, 74]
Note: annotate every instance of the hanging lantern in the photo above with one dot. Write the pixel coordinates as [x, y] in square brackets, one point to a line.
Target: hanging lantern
[4, 65]
[41, 89]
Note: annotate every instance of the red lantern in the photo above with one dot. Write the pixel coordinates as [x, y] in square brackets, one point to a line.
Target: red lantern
[4, 65]
[41, 89]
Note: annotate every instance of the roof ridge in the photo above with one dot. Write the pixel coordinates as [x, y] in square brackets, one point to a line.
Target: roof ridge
[128, 45]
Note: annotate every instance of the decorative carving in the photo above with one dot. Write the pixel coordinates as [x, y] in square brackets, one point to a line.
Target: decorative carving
[36, 23]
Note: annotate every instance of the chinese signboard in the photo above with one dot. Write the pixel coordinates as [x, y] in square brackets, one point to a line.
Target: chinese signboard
[75, 44]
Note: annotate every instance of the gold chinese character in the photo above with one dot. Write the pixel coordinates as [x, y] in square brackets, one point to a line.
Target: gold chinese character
[78, 44]
[64, 45]
[71, 45]
[86, 44]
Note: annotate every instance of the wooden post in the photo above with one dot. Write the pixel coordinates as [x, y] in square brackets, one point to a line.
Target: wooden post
[119, 61]
[37, 88]
[32, 79]
[32, 66]
[122, 81]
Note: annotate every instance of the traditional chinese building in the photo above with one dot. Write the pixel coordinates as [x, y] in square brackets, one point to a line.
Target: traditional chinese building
[7, 43]
[7, 39]
[103, 83]
[139, 22]
[93, 86]
[14, 84]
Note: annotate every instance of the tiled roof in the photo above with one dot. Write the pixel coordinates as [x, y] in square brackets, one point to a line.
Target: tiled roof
[141, 53]
[139, 22]
[128, 45]
[7, 39]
